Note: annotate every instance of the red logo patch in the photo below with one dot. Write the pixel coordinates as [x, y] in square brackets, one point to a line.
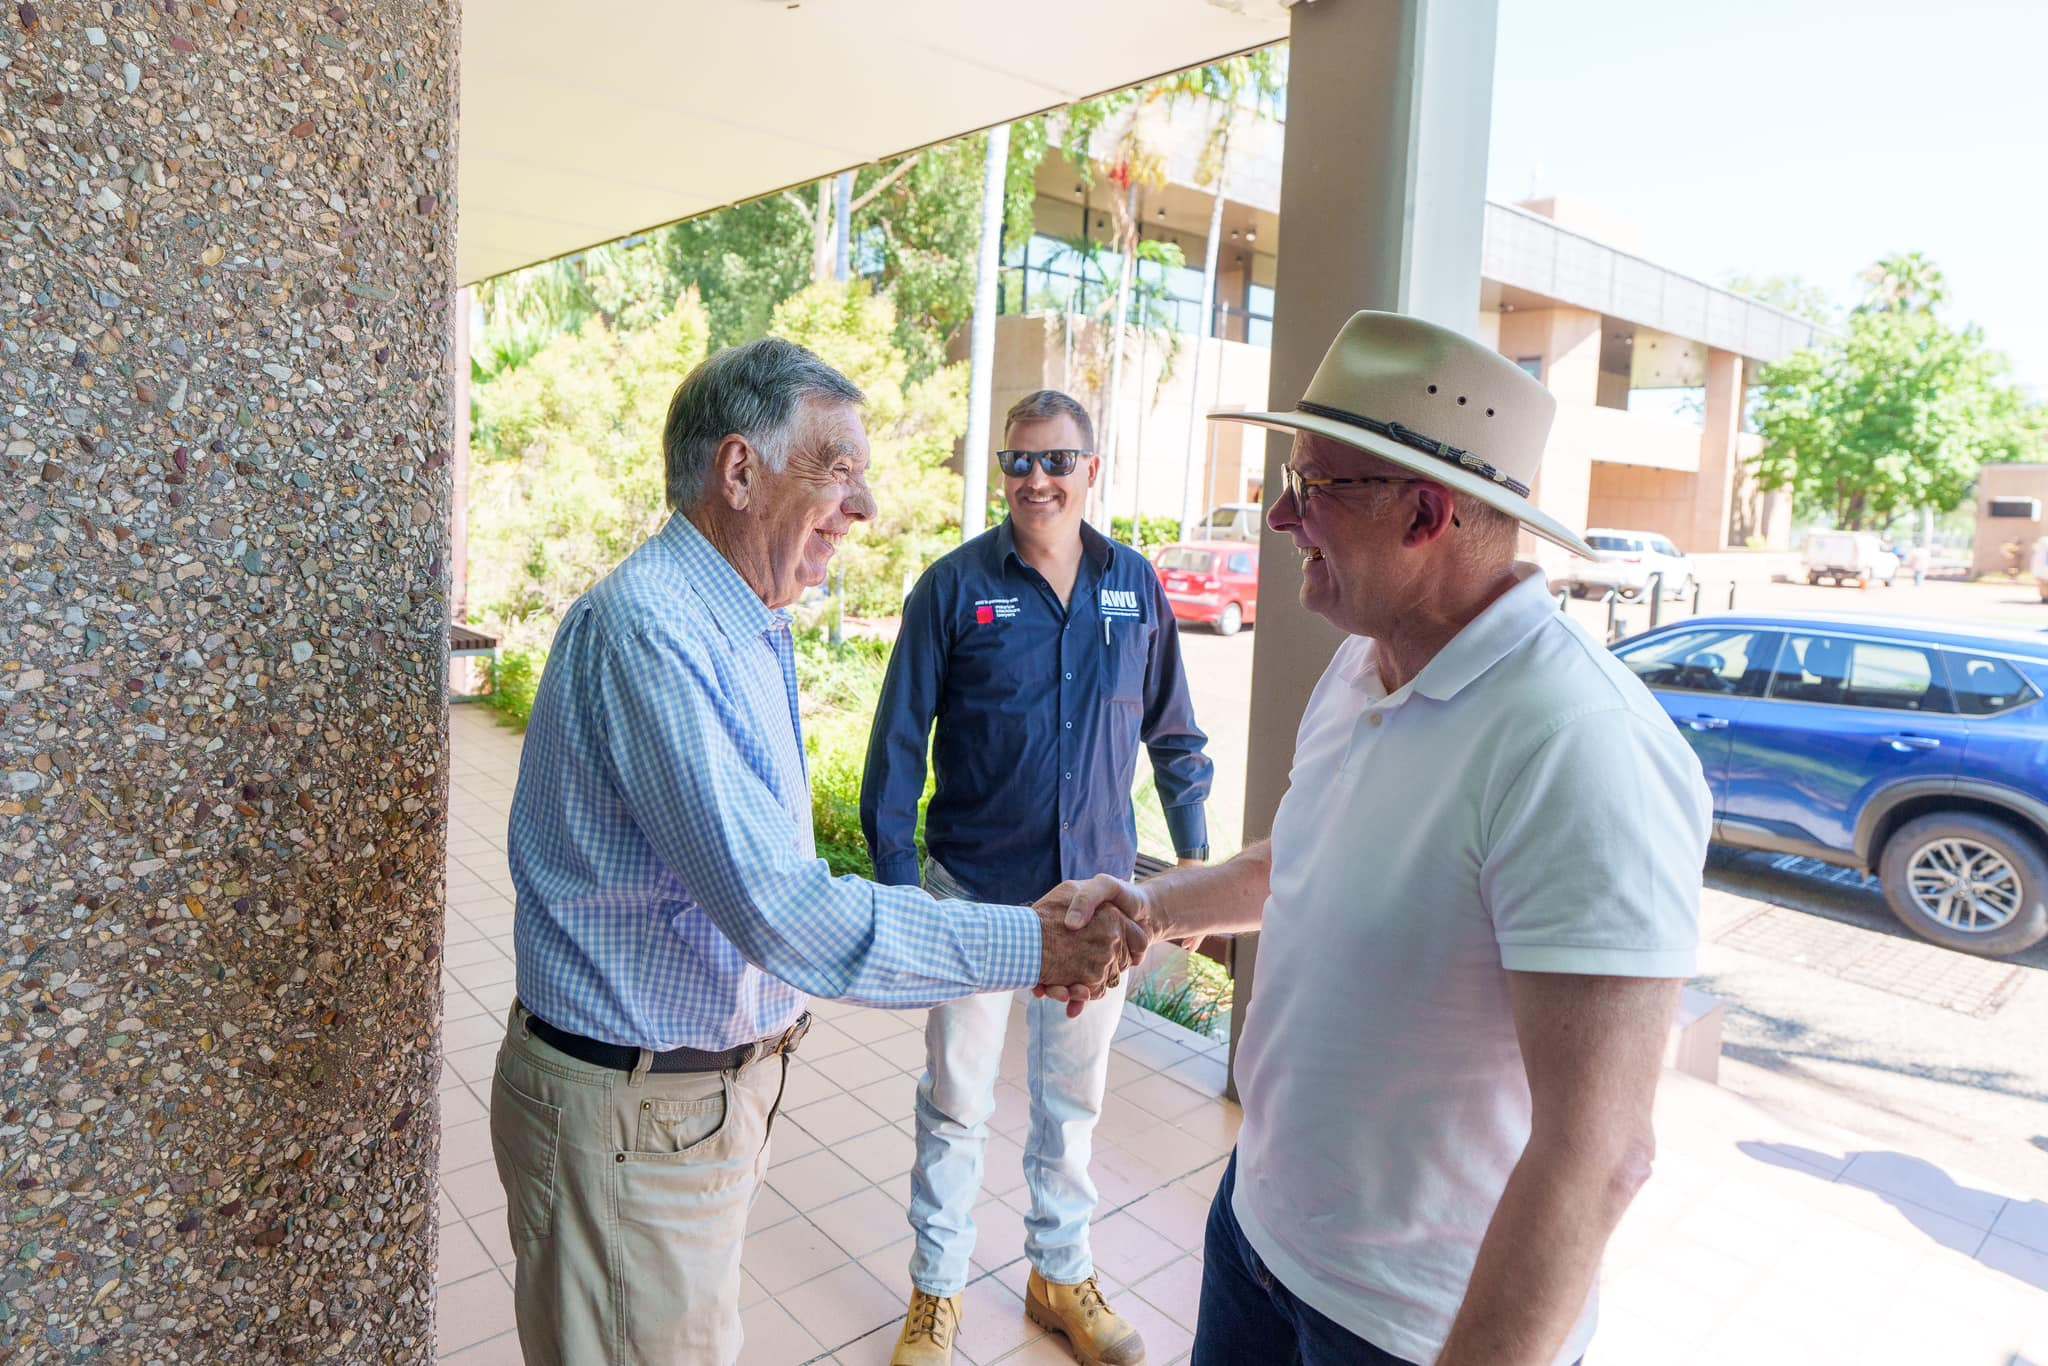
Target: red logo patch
[984, 616]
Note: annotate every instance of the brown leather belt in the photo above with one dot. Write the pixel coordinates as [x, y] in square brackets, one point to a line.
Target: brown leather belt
[621, 1058]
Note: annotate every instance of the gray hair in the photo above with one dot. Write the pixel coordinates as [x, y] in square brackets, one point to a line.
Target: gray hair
[753, 391]
[1046, 405]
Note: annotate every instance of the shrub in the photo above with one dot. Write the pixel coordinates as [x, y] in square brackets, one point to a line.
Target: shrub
[1156, 531]
[515, 678]
[1194, 993]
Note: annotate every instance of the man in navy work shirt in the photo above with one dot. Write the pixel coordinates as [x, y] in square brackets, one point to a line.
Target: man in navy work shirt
[1046, 653]
[672, 912]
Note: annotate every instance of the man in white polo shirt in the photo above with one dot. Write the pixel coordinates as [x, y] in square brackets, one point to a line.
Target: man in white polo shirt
[1479, 901]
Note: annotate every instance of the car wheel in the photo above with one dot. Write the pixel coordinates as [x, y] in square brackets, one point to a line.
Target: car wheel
[1232, 618]
[1967, 882]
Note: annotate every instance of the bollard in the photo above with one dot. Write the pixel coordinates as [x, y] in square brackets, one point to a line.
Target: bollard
[1731, 595]
[1613, 599]
[1656, 591]
[1564, 598]
[1695, 597]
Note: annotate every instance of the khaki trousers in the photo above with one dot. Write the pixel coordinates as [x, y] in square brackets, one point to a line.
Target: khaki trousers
[627, 1195]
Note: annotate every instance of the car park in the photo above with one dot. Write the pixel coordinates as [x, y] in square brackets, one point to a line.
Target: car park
[1211, 583]
[1625, 562]
[1849, 557]
[1917, 752]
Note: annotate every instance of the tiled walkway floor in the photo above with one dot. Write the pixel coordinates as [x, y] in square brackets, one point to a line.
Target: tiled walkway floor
[1760, 1240]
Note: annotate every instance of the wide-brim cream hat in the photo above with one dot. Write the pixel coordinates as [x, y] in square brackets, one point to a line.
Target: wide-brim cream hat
[1431, 400]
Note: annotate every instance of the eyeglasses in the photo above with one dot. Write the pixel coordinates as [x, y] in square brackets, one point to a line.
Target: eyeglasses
[1294, 482]
[1058, 464]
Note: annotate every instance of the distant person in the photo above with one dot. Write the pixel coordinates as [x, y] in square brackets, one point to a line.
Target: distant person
[672, 914]
[1918, 561]
[1478, 904]
[1046, 654]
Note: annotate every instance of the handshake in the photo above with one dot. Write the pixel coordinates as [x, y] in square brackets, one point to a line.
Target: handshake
[1090, 932]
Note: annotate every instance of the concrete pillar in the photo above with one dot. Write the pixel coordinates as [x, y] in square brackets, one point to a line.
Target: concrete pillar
[1568, 340]
[1714, 490]
[225, 312]
[1383, 191]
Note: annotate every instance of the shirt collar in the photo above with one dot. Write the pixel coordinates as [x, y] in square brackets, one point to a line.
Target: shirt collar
[736, 608]
[1489, 637]
[1096, 545]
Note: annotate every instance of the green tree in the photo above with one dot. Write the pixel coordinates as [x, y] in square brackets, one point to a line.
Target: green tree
[1895, 413]
[1788, 294]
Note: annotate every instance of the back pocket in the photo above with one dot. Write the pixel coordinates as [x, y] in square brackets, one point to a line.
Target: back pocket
[526, 1136]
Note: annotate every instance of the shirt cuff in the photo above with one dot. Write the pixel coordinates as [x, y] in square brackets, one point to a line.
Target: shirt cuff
[1599, 961]
[897, 870]
[1189, 827]
[1012, 948]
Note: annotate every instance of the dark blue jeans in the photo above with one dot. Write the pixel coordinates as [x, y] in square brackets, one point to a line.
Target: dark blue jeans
[1247, 1315]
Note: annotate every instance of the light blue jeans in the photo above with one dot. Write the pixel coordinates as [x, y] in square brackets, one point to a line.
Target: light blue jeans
[1069, 1066]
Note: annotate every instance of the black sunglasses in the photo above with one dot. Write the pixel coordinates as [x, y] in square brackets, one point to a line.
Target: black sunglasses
[1058, 464]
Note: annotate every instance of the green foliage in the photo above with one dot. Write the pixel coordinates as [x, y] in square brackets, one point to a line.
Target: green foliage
[1194, 995]
[1896, 413]
[742, 262]
[1153, 531]
[1789, 294]
[515, 678]
[566, 476]
[912, 424]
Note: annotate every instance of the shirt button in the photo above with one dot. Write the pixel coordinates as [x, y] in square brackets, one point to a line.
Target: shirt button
[1070, 678]
[1066, 777]
[1063, 825]
[1070, 725]
[1376, 718]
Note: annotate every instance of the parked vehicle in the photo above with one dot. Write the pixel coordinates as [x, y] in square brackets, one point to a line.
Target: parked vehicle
[2040, 566]
[1215, 583]
[1914, 751]
[1626, 560]
[1845, 557]
[1232, 522]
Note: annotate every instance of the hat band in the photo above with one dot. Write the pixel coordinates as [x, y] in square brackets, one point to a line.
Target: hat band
[1442, 450]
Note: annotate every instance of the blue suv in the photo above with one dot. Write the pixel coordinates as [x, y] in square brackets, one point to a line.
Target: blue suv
[1915, 751]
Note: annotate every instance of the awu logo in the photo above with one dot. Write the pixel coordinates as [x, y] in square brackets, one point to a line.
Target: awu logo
[1117, 602]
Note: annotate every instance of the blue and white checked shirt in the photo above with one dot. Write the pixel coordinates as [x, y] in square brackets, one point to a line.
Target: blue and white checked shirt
[668, 890]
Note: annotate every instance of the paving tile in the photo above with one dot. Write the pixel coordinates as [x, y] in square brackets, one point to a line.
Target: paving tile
[998, 1234]
[1002, 1165]
[460, 1106]
[880, 1153]
[474, 975]
[476, 950]
[835, 1118]
[873, 1350]
[814, 1180]
[773, 1338]
[868, 1026]
[992, 1321]
[475, 1191]
[474, 1064]
[2024, 1222]
[890, 1264]
[1925, 1184]
[784, 1257]
[465, 1145]
[2017, 1260]
[904, 1052]
[502, 1350]
[861, 1223]
[495, 1233]
[787, 1143]
[1164, 1336]
[769, 1209]
[844, 1304]
[894, 1098]
[857, 1067]
[1127, 1250]
[1163, 1096]
[1176, 1214]
[1175, 1290]
[460, 1255]
[471, 1311]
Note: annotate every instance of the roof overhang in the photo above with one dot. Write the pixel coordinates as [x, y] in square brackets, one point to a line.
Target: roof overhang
[583, 124]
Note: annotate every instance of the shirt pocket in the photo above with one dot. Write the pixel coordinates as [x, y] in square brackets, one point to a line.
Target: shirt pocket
[525, 1139]
[1132, 642]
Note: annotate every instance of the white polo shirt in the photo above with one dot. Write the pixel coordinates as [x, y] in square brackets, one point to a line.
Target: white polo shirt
[1521, 805]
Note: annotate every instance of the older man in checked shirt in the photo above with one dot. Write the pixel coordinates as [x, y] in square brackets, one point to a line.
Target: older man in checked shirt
[672, 914]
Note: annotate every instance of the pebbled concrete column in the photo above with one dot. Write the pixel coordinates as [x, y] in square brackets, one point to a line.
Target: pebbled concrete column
[226, 232]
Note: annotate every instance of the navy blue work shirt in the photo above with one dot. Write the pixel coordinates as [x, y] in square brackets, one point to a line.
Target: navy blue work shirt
[1040, 710]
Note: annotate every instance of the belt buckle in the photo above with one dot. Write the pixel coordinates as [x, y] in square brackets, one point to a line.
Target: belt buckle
[794, 1035]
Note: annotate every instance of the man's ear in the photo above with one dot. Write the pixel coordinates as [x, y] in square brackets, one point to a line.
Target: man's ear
[1094, 468]
[1434, 508]
[733, 472]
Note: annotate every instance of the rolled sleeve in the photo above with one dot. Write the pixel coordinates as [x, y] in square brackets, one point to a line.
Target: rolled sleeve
[1596, 850]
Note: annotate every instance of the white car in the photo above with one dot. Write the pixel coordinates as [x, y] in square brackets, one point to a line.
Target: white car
[1846, 557]
[1627, 560]
[1232, 522]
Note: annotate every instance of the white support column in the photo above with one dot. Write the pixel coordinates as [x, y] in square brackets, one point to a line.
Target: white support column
[1382, 202]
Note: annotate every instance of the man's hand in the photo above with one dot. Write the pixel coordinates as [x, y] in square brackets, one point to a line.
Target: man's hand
[1086, 951]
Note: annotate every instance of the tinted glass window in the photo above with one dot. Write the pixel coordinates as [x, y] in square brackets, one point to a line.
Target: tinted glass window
[1614, 543]
[1985, 686]
[1239, 564]
[1664, 547]
[1184, 560]
[1858, 673]
[1718, 661]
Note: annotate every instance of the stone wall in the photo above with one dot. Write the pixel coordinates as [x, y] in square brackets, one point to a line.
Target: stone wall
[226, 258]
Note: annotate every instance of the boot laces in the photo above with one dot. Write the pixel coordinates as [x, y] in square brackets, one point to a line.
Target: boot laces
[926, 1320]
[1090, 1295]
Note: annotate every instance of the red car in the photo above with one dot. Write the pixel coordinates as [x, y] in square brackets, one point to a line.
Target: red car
[1215, 583]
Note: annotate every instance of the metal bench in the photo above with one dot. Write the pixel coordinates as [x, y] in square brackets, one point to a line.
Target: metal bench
[464, 643]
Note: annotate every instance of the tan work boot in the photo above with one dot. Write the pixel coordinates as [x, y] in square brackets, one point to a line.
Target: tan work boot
[1097, 1333]
[928, 1330]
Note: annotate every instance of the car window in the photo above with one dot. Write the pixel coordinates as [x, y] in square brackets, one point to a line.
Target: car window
[1858, 673]
[1185, 561]
[1664, 547]
[1614, 543]
[1715, 660]
[1239, 564]
[1985, 685]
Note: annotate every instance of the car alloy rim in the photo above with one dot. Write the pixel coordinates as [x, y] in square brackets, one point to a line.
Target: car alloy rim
[1966, 886]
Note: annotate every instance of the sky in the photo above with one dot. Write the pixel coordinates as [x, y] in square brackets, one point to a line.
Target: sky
[1797, 137]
